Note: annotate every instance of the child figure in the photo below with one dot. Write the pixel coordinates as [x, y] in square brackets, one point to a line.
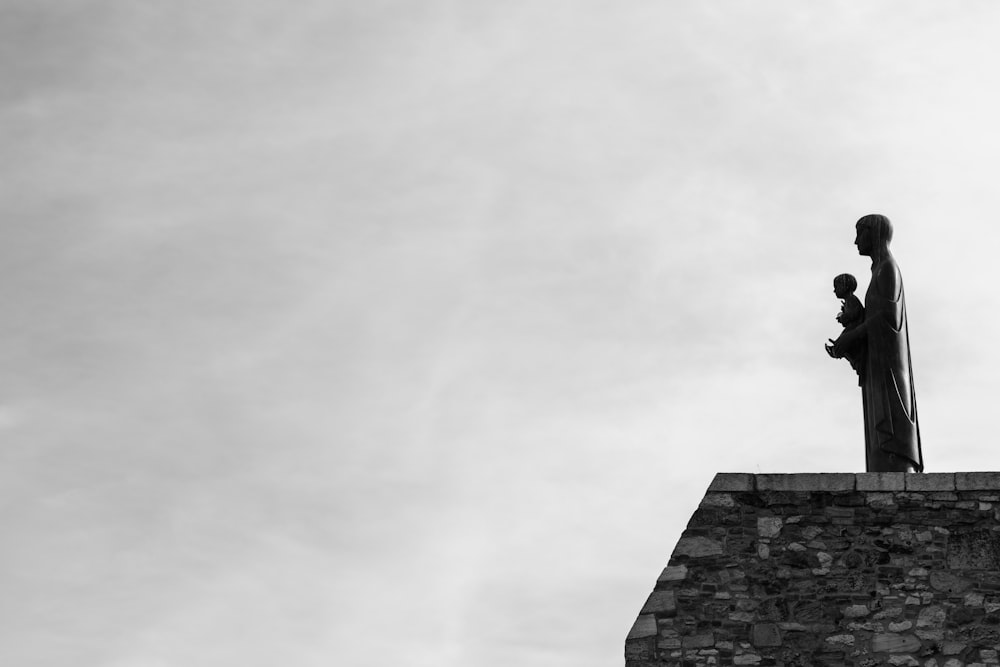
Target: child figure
[851, 314]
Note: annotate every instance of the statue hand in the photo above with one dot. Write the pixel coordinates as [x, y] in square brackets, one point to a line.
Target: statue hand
[832, 349]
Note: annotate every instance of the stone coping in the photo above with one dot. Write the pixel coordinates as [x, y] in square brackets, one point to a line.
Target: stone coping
[861, 481]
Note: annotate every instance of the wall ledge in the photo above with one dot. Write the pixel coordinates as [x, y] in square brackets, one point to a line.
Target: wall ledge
[735, 482]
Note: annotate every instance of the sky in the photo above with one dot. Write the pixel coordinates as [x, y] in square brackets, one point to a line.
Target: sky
[377, 333]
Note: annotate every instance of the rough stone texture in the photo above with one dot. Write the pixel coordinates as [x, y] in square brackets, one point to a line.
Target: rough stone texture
[831, 569]
[718, 500]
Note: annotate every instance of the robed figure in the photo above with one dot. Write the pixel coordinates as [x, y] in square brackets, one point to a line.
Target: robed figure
[892, 433]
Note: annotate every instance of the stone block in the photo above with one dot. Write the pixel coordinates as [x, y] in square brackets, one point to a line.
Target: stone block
[703, 640]
[973, 600]
[934, 481]
[948, 582]
[638, 653]
[805, 482]
[674, 573]
[856, 611]
[931, 617]
[669, 644]
[660, 602]
[792, 627]
[717, 500]
[881, 500]
[880, 481]
[841, 640]
[765, 634]
[768, 526]
[953, 648]
[891, 642]
[698, 547]
[732, 481]
[644, 626]
[890, 612]
[977, 481]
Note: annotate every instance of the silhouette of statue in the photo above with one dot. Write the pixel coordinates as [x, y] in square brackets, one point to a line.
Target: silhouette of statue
[851, 314]
[892, 433]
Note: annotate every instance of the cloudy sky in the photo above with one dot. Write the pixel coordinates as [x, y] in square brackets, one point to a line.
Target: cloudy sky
[411, 333]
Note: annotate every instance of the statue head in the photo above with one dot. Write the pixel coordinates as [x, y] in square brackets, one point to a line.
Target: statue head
[844, 285]
[874, 235]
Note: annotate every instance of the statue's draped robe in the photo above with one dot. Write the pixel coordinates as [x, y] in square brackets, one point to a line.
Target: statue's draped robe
[892, 433]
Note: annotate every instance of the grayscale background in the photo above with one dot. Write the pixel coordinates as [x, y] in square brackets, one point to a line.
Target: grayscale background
[411, 332]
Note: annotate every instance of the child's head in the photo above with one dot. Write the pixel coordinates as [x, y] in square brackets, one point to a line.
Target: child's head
[844, 285]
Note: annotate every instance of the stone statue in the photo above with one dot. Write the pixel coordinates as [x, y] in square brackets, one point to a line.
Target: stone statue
[881, 342]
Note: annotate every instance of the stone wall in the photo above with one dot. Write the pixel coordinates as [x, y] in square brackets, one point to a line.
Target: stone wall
[831, 569]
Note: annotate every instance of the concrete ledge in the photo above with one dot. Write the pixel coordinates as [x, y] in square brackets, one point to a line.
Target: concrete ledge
[881, 481]
[812, 481]
[977, 481]
[744, 482]
[935, 481]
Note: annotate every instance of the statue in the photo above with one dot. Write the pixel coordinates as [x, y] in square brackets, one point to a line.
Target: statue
[878, 346]
[851, 314]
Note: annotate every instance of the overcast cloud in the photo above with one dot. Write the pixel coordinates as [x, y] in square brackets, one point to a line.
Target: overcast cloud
[386, 333]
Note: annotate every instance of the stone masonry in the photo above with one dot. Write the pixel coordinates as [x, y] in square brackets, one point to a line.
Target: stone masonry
[831, 569]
